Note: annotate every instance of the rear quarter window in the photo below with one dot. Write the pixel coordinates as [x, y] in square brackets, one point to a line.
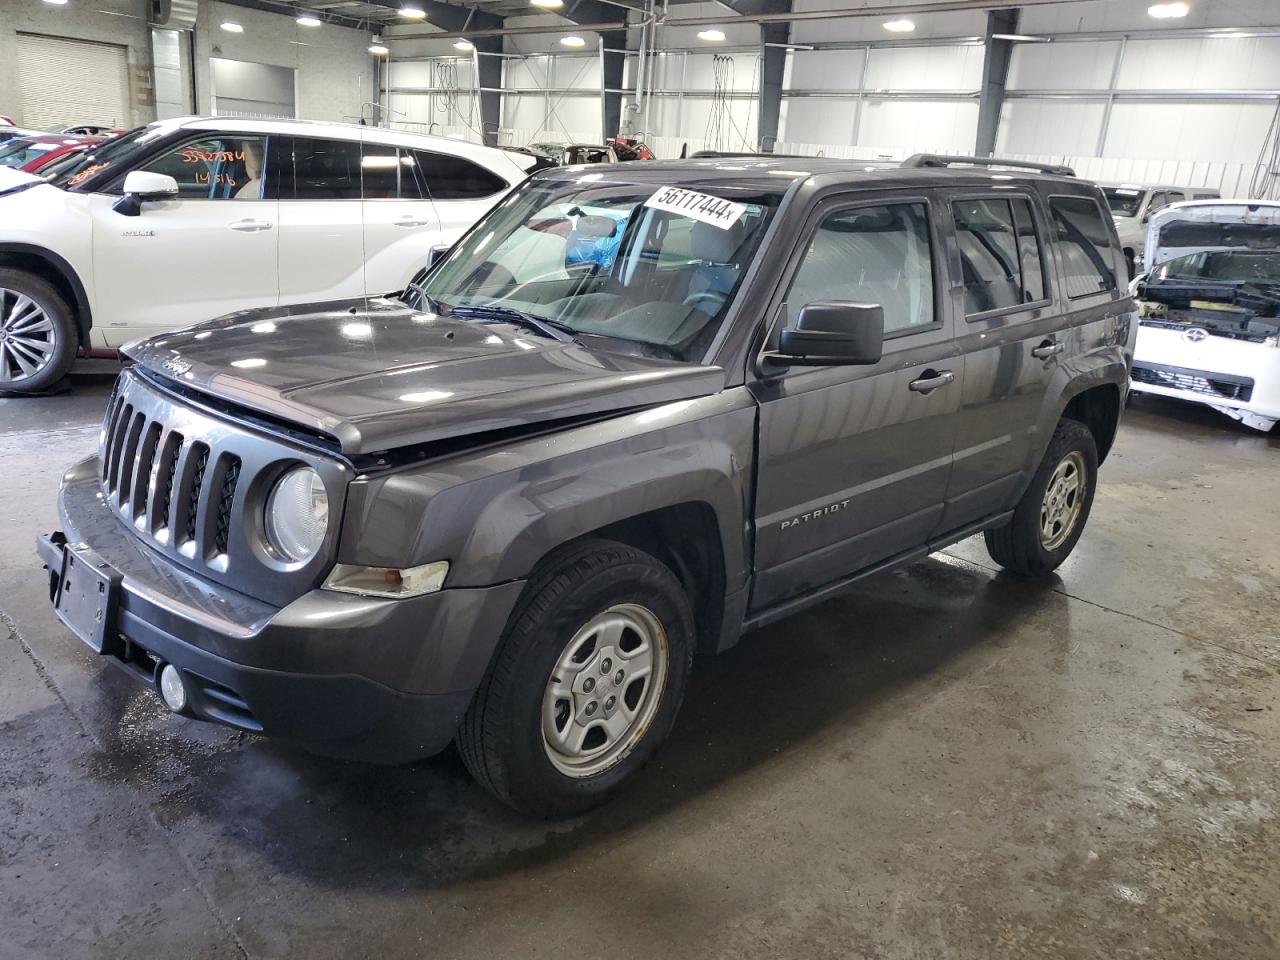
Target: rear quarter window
[1084, 239]
[455, 178]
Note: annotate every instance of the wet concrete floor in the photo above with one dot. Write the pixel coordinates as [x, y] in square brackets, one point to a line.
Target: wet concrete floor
[946, 763]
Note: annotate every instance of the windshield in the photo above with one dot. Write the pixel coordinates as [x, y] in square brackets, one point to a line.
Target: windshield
[1245, 266]
[1123, 201]
[18, 153]
[104, 157]
[653, 268]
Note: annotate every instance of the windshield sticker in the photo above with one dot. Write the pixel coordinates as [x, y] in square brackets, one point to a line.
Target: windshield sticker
[698, 206]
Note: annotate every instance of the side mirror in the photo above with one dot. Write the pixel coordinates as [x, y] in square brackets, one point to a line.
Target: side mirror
[141, 186]
[833, 333]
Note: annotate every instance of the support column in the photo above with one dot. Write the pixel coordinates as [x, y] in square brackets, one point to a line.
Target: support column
[612, 60]
[773, 64]
[995, 73]
[489, 79]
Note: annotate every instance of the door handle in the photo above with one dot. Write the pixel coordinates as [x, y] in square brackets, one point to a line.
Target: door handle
[931, 381]
[410, 222]
[1046, 350]
[251, 225]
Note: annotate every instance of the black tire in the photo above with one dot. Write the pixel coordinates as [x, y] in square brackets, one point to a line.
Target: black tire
[501, 738]
[1130, 261]
[62, 335]
[1018, 545]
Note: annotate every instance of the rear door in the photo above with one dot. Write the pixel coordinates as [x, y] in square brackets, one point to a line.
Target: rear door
[400, 222]
[854, 460]
[321, 220]
[207, 252]
[1010, 344]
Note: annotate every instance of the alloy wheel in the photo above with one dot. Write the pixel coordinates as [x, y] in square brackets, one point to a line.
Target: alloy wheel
[28, 338]
[604, 690]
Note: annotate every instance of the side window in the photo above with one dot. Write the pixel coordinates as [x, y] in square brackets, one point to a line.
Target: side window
[325, 170]
[215, 168]
[999, 254]
[453, 178]
[1085, 243]
[871, 255]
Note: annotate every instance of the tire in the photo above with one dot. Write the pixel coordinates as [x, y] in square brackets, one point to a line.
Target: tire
[38, 337]
[1130, 261]
[1034, 543]
[587, 604]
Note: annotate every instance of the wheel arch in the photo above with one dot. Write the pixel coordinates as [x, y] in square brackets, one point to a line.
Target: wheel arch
[57, 271]
[1098, 407]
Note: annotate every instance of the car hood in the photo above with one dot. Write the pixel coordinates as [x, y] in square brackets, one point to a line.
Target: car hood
[1200, 226]
[12, 178]
[376, 375]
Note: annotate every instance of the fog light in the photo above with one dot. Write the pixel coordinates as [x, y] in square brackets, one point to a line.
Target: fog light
[172, 690]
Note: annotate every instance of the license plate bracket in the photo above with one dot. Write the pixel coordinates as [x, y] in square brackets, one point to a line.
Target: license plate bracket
[87, 598]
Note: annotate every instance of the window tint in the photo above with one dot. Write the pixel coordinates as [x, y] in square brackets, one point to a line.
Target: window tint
[1085, 243]
[453, 178]
[380, 172]
[999, 254]
[324, 170]
[215, 168]
[871, 255]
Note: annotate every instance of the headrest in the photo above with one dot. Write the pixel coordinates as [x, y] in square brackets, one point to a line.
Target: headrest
[715, 244]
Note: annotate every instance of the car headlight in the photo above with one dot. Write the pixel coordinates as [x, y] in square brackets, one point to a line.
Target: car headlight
[297, 515]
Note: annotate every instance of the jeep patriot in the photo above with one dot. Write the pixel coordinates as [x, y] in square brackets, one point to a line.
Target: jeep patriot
[633, 413]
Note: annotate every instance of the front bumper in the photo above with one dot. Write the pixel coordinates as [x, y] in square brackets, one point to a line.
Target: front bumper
[353, 677]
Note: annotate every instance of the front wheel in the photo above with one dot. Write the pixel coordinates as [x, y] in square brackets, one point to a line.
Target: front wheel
[1051, 515]
[585, 684]
[38, 340]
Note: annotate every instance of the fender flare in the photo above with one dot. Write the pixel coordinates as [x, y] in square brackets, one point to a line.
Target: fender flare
[84, 315]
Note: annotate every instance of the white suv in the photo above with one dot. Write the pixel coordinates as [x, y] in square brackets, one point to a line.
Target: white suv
[185, 220]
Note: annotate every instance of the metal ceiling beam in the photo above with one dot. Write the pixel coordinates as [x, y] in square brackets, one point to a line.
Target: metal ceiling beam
[995, 73]
[290, 10]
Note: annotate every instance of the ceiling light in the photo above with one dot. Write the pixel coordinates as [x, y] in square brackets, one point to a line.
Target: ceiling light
[412, 13]
[378, 50]
[232, 27]
[464, 45]
[547, 4]
[57, 3]
[572, 41]
[308, 20]
[711, 36]
[899, 26]
[1169, 11]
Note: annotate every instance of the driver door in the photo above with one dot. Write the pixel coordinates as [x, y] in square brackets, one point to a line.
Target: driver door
[207, 252]
[854, 460]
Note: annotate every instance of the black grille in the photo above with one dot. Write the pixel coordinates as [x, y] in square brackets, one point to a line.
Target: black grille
[226, 499]
[166, 472]
[200, 455]
[142, 474]
[1197, 381]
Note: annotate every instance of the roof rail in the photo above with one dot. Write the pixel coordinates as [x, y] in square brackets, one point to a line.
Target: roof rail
[944, 160]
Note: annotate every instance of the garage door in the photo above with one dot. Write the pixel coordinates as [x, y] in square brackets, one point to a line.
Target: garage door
[67, 82]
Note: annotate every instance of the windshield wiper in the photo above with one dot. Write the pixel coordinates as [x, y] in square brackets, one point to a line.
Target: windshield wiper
[548, 328]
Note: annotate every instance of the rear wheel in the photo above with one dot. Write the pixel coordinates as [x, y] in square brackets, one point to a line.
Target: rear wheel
[38, 339]
[1051, 515]
[586, 683]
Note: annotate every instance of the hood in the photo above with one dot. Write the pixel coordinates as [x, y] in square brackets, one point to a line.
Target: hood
[12, 178]
[1208, 225]
[376, 375]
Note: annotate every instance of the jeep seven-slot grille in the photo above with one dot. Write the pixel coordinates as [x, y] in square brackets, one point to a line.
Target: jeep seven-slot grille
[1203, 382]
[226, 500]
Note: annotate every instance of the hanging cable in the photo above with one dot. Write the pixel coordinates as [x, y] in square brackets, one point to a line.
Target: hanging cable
[1265, 184]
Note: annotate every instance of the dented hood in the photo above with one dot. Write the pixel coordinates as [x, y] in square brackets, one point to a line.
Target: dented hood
[378, 375]
[1208, 225]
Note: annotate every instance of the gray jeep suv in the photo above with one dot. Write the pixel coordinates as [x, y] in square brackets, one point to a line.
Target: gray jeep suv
[632, 414]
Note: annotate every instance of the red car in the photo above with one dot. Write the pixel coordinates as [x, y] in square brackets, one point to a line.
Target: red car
[34, 153]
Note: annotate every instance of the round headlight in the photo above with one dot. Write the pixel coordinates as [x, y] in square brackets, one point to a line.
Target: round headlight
[298, 514]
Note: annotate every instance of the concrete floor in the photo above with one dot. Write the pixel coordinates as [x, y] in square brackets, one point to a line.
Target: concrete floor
[945, 764]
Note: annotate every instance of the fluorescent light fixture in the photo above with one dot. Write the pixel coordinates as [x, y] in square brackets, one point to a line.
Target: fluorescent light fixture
[231, 26]
[377, 48]
[1019, 37]
[547, 4]
[308, 20]
[899, 26]
[572, 41]
[1169, 11]
[711, 36]
[464, 44]
[409, 11]
[57, 3]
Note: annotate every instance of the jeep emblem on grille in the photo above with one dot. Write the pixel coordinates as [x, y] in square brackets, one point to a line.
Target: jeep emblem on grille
[1196, 334]
[177, 366]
